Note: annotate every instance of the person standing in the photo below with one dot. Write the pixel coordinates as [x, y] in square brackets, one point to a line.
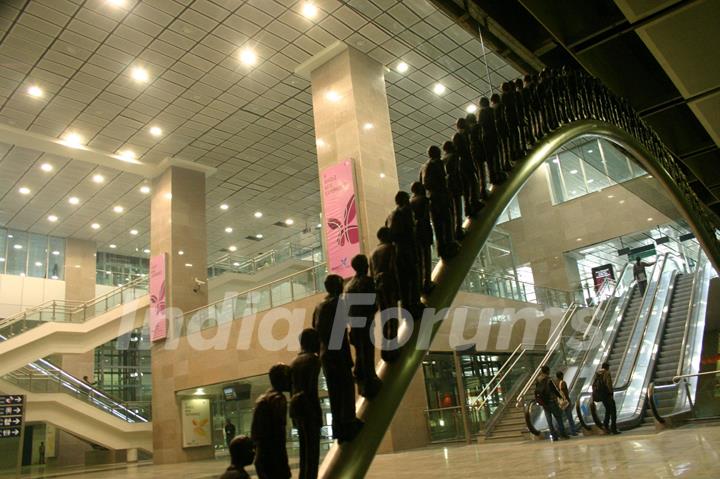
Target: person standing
[547, 395]
[229, 431]
[567, 410]
[41, 453]
[603, 391]
[640, 275]
[305, 408]
[269, 427]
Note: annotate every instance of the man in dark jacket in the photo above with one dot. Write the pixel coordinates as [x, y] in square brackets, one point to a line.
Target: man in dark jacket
[402, 227]
[269, 427]
[432, 177]
[336, 361]
[242, 453]
[607, 397]
[304, 404]
[547, 395]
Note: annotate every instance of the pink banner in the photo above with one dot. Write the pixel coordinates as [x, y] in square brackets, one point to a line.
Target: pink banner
[342, 234]
[158, 319]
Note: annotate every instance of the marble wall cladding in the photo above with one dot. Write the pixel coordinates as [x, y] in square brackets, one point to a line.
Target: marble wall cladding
[544, 232]
[352, 120]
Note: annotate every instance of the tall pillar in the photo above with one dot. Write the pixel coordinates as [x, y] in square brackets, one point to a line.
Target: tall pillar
[352, 121]
[177, 228]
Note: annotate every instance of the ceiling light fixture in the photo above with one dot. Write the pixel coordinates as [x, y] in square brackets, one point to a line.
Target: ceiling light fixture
[116, 3]
[52, 218]
[181, 252]
[73, 140]
[47, 167]
[236, 264]
[146, 251]
[139, 74]
[38, 263]
[127, 155]
[145, 189]
[471, 108]
[402, 67]
[95, 226]
[118, 209]
[228, 230]
[98, 178]
[382, 175]
[35, 91]
[113, 246]
[232, 248]
[309, 10]
[24, 190]
[368, 126]
[439, 88]
[224, 207]
[590, 151]
[258, 214]
[155, 131]
[650, 219]
[573, 172]
[18, 246]
[289, 221]
[56, 253]
[134, 232]
[248, 56]
[259, 236]
[74, 200]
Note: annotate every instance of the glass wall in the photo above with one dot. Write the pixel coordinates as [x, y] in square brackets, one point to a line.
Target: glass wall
[30, 254]
[587, 166]
[116, 269]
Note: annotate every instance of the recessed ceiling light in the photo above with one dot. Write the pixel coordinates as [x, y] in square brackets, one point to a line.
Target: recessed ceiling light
[382, 175]
[319, 225]
[35, 91]
[98, 178]
[56, 253]
[145, 189]
[181, 252]
[24, 190]
[38, 263]
[573, 172]
[621, 201]
[289, 221]
[224, 206]
[18, 246]
[556, 161]
[590, 151]
[248, 56]
[232, 248]
[74, 200]
[309, 10]
[579, 239]
[258, 214]
[650, 219]
[188, 265]
[611, 196]
[139, 74]
[52, 218]
[259, 236]
[439, 88]
[127, 155]
[368, 126]
[402, 67]
[236, 264]
[228, 230]
[116, 3]
[471, 108]
[134, 232]
[573, 192]
[46, 167]
[73, 140]
[118, 209]
[155, 131]
[591, 181]
[146, 251]
[333, 96]
[95, 226]
[113, 246]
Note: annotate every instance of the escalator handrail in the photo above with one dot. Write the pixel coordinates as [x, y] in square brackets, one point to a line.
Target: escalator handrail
[674, 385]
[528, 417]
[699, 269]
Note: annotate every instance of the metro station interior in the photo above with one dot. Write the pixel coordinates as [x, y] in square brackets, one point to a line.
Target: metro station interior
[190, 140]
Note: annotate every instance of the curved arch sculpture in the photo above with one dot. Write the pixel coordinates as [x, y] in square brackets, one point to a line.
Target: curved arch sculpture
[351, 460]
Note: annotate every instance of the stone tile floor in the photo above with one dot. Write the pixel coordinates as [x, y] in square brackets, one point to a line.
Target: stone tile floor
[692, 452]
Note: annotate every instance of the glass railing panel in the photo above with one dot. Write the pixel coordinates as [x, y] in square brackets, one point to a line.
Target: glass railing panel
[281, 292]
[445, 424]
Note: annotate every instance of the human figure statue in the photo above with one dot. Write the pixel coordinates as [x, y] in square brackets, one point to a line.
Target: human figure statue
[423, 233]
[336, 362]
[361, 336]
[305, 404]
[242, 453]
[455, 186]
[486, 120]
[269, 426]
[508, 100]
[521, 109]
[402, 227]
[503, 145]
[470, 133]
[383, 269]
[432, 177]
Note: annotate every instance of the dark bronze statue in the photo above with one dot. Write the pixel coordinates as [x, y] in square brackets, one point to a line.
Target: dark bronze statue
[432, 177]
[423, 232]
[402, 226]
[242, 453]
[361, 337]
[383, 269]
[486, 120]
[305, 404]
[337, 362]
[469, 132]
[508, 99]
[503, 143]
[269, 426]
[455, 186]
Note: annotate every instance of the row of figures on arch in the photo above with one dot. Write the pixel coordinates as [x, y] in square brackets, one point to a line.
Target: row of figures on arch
[454, 182]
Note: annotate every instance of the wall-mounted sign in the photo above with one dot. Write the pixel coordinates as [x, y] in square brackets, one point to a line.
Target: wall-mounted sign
[340, 217]
[196, 422]
[158, 291]
[601, 274]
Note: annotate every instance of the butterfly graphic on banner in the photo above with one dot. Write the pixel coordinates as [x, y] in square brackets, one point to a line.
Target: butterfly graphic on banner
[348, 232]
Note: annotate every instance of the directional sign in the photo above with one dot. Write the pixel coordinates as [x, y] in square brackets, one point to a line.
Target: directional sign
[11, 399]
[11, 411]
[10, 432]
[10, 421]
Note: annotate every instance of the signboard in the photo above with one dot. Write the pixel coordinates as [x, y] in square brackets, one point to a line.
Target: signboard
[340, 217]
[158, 316]
[12, 409]
[196, 422]
[601, 274]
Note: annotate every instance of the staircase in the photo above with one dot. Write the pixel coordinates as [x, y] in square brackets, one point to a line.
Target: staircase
[629, 318]
[510, 426]
[669, 348]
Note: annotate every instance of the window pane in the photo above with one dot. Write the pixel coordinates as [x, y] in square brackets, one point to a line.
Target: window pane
[17, 252]
[56, 258]
[595, 175]
[38, 252]
[572, 175]
[3, 249]
[617, 163]
[553, 166]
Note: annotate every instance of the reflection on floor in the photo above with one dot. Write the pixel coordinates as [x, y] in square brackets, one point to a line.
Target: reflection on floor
[689, 452]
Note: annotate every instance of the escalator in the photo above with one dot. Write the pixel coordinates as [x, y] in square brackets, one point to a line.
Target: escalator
[66, 327]
[627, 324]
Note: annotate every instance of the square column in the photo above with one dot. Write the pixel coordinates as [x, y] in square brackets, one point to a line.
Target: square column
[177, 229]
[352, 121]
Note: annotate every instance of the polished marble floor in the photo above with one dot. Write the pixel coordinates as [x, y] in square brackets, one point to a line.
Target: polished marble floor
[682, 453]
